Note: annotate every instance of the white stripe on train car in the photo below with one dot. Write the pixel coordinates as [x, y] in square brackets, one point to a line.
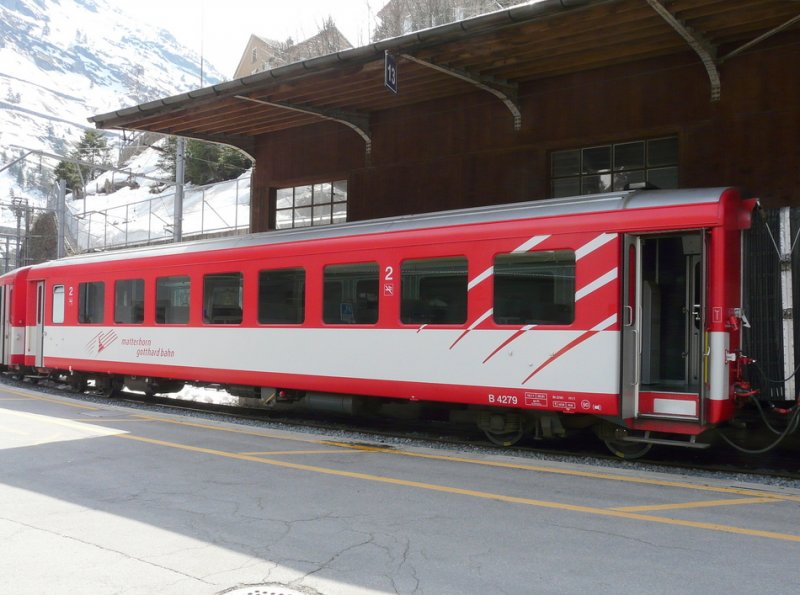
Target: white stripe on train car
[358, 353]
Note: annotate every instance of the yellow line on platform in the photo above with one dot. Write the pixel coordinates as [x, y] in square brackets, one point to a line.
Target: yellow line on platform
[39, 398]
[752, 493]
[701, 504]
[491, 463]
[288, 452]
[474, 493]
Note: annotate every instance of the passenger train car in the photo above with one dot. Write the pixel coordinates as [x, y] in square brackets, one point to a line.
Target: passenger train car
[13, 306]
[620, 311]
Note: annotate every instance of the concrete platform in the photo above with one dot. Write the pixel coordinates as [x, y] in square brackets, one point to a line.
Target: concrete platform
[103, 499]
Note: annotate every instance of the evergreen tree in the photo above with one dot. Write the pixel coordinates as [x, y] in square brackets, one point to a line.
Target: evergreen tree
[233, 163]
[205, 163]
[91, 151]
[41, 245]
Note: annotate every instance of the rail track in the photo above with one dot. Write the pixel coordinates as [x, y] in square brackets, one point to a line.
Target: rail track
[781, 465]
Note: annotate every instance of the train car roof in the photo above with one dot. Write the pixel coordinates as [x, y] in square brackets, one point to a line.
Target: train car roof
[574, 205]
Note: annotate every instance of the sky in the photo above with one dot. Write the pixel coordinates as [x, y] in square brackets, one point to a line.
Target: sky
[221, 28]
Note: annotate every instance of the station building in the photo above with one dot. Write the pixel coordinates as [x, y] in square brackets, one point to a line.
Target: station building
[549, 99]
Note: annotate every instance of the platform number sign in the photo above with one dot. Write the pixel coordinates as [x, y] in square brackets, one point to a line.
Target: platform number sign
[390, 72]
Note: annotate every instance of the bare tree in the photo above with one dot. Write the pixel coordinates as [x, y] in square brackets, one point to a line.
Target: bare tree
[399, 17]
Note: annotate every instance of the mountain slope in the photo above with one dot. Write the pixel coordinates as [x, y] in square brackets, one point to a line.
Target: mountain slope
[62, 61]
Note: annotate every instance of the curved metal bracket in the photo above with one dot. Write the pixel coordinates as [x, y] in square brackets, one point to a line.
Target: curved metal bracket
[503, 90]
[697, 42]
[760, 38]
[358, 122]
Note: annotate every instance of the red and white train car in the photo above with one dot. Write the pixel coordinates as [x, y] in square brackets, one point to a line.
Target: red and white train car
[13, 307]
[619, 308]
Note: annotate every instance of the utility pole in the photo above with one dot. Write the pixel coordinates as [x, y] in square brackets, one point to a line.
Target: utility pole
[61, 207]
[177, 215]
[19, 206]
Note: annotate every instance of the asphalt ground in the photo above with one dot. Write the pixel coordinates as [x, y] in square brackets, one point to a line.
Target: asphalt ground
[101, 499]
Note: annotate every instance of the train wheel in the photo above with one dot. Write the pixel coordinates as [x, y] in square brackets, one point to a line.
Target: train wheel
[111, 387]
[627, 450]
[502, 428]
[77, 383]
[505, 438]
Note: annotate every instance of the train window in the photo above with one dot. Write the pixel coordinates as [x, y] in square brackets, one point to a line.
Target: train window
[282, 296]
[58, 304]
[91, 297]
[535, 288]
[222, 298]
[434, 291]
[350, 294]
[172, 300]
[129, 301]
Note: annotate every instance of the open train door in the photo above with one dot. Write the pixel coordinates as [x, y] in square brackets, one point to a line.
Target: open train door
[663, 372]
[631, 326]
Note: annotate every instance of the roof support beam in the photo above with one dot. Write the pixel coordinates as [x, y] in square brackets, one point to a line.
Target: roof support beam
[759, 39]
[358, 122]
[505, 91]
[697, 42]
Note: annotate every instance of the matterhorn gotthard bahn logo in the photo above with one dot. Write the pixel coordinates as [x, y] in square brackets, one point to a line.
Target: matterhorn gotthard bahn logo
[100, 342]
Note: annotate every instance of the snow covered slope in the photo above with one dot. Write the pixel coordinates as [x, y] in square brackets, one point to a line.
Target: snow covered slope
[62, 61]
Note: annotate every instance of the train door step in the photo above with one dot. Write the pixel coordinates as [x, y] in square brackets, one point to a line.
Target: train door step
[690, 443]
[669, 405]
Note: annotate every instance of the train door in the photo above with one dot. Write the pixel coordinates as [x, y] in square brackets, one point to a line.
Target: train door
[663, 336]
[38, 336]
[7, 337]
[3, 325]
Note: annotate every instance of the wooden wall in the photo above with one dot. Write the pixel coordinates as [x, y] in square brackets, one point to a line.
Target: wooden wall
[463, 151]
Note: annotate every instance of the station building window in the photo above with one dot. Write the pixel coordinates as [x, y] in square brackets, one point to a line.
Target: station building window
[222, 298]
[129, 301]
[313, 204]
[350, 294]
[434, 291]
[172, 300]
[91, 297]
[534, 288]
[606, 168]
[282, 296]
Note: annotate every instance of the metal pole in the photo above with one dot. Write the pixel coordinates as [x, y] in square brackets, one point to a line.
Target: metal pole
[236, 212]
[62, 218]
[18, 213]
[177, 216]
[787, 299]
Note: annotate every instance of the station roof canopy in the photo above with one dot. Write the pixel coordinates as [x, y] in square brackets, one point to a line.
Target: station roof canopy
[495, 52]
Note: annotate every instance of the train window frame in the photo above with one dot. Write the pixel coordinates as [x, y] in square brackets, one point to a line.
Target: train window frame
[133, 311]
[91, 302]
[528, 279]
[179, 310]
[293, 311]
[223, 301]
[356, 303]
[57, 306]
[311, 205]
[427, 305]
[612, 167]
